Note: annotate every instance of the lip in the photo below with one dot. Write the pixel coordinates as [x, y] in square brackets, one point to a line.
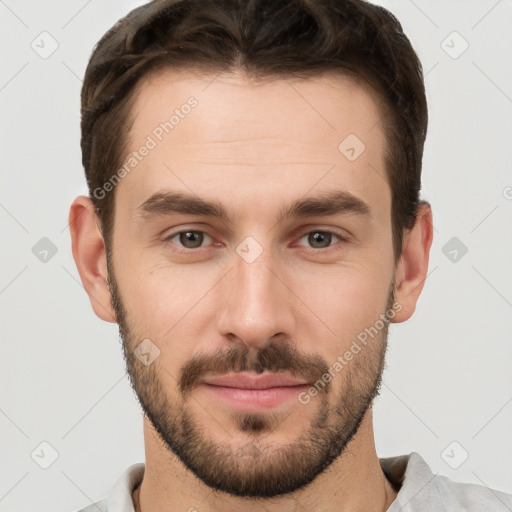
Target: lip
[248, 393]
[247, 381]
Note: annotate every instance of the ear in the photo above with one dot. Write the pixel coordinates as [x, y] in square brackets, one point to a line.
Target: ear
[413, 264]
[90, 256]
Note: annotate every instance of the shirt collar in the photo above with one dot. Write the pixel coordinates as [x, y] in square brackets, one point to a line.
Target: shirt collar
[120, 495]
[412, 476]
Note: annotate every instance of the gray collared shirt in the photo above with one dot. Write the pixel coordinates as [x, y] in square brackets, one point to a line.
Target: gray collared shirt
[420, 490]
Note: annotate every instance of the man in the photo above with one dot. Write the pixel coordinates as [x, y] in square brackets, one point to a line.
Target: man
[254, 225]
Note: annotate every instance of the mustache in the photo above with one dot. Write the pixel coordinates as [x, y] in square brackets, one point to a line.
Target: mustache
[274, 357]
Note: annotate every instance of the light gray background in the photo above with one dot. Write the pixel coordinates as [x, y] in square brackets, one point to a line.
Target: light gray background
[62, 377]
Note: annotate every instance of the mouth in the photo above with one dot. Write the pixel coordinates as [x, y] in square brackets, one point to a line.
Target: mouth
[248, 392]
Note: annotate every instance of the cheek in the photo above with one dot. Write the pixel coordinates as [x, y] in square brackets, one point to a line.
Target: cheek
[341, 304]
[168, 306]
[346, 296]
[157, 293]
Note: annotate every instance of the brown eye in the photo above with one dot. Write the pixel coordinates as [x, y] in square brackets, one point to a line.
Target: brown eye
[188, 239]
[320, 239]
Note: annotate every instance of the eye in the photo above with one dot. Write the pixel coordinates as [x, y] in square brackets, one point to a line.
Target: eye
[193, 239]
[188, 239]
[321, 239]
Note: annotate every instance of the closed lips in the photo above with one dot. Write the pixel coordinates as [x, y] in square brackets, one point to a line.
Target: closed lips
[246, 381]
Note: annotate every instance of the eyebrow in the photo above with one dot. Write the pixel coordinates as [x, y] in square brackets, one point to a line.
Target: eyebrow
[335, 202]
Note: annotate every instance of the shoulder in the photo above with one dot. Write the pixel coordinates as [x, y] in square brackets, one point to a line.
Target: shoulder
[472, 497]
[119, 496]
[100, 506]
[420, 490]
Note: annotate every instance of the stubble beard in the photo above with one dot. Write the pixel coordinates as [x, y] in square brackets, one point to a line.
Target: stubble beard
[257, 467]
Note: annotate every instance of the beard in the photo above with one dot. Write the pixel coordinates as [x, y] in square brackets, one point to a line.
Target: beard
[258, 468]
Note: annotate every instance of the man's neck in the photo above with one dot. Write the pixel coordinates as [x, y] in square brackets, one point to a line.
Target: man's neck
[353, 483]
[390, 495]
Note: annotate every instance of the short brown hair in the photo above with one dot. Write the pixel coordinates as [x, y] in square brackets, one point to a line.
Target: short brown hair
[263, 38]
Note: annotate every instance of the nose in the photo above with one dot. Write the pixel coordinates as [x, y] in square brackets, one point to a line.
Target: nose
[255, 303]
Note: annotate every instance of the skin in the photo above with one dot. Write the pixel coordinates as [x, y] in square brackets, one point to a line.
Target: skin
[255, 148]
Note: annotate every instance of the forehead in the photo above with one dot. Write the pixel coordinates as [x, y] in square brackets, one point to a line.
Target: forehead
[244, 132]
[324, 104]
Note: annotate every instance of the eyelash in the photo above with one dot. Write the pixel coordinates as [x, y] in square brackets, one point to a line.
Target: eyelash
[323, 231]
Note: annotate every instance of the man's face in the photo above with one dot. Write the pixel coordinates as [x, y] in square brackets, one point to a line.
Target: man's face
[256, 292]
